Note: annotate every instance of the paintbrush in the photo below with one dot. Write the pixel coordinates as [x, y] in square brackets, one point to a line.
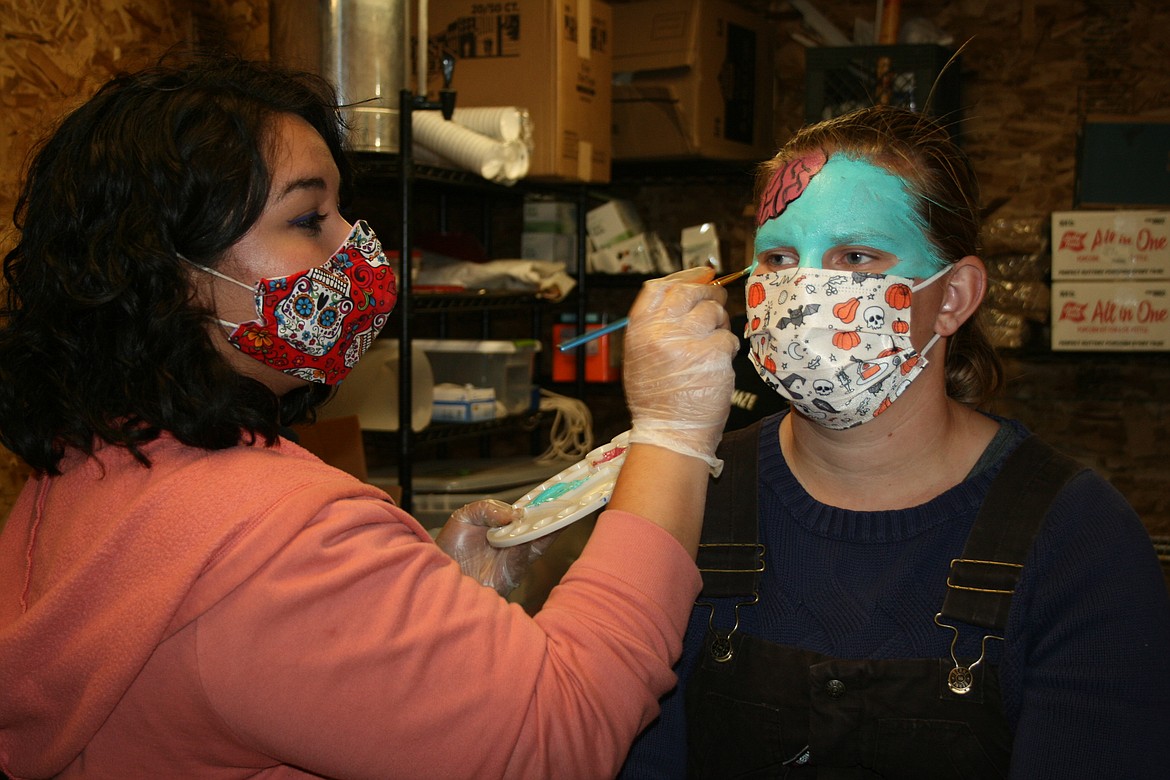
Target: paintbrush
[572, 343]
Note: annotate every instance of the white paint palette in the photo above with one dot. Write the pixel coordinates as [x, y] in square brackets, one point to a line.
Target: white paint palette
[576, 492]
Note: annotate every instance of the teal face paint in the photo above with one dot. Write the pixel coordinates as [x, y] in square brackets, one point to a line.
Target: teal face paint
[855, 204]
[556, 491]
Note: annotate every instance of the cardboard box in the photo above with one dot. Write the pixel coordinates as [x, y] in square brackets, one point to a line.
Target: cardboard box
[551, 58]
[338, 442]
[1120, 316]
[550, 216]
[1110, 245]
[603, 355]
[612, 222]
[557, 247]
[694, 78]
[638, 254]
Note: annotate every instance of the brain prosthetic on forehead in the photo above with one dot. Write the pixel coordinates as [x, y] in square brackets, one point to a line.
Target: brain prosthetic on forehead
[787, 184]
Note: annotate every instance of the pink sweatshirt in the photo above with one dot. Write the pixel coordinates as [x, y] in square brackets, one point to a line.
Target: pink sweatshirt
[255, 613]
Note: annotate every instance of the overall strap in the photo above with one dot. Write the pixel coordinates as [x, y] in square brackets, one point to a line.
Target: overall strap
[730, 555]
[981, 583]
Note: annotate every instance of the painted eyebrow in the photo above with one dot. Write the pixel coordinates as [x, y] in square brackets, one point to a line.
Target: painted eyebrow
[306, 183]
[868, 239]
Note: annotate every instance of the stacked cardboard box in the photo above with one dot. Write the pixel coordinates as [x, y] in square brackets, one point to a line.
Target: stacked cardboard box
[620, 244]
[693, 78]
[553, 59]
[1111, 280]
[550, 232]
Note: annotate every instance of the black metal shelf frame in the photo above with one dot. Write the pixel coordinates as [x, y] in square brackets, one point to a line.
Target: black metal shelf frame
[442, 433]
[402, 168]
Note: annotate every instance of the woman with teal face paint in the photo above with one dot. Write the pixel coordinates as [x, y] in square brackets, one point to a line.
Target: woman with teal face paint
[897, 584]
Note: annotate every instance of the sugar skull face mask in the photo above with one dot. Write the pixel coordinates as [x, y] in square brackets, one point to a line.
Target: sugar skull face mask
[317, 323]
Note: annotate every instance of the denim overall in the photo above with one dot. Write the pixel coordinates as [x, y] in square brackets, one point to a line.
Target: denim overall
[760, 709]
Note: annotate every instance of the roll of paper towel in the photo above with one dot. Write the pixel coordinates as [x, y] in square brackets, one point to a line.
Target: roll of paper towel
[371, 389]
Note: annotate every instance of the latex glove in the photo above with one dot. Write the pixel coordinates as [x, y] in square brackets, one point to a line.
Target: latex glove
[464, 538]
[677, 367]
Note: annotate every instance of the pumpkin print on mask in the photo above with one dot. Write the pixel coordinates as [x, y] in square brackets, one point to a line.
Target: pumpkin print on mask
[846, 311]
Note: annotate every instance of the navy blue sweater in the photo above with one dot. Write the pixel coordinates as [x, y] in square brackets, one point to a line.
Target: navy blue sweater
[1085, 665]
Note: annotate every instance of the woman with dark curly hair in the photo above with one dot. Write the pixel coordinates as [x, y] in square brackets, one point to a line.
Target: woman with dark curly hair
[895, 583]
[186, 593]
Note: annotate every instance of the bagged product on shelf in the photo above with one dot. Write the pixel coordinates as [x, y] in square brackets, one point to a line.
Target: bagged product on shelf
[612, 222]
[641, 254]
[547, 279]
[449, 144]
[700, 247]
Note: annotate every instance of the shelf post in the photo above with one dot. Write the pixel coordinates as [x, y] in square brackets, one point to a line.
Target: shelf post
[405, 304]
[582, 291]
[408, 103]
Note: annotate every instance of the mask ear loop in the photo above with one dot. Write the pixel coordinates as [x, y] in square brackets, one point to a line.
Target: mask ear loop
[926, 283]
[226, 278]
[932, 278]
[933, 340]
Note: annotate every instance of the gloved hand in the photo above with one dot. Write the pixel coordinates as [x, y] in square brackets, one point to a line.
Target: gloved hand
[677, 367]
[464, 538]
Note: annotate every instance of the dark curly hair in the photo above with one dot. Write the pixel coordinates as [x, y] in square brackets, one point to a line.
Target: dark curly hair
[945, 192]
[103, 339]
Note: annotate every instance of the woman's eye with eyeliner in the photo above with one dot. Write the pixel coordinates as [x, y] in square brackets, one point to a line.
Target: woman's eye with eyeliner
[310, 223]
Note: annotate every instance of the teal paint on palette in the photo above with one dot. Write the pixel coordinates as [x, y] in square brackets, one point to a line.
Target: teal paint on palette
[556, 491]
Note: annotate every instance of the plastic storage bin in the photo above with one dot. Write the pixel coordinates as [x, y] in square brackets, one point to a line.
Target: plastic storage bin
[506, 366]
[839, 79]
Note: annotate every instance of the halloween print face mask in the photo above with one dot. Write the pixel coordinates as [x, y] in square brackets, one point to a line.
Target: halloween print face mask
[837, 345]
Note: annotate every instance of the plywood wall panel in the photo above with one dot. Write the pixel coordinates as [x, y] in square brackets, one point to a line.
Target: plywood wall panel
[55, 53]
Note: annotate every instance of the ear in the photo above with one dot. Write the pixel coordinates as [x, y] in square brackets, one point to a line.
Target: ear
[965, 287]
